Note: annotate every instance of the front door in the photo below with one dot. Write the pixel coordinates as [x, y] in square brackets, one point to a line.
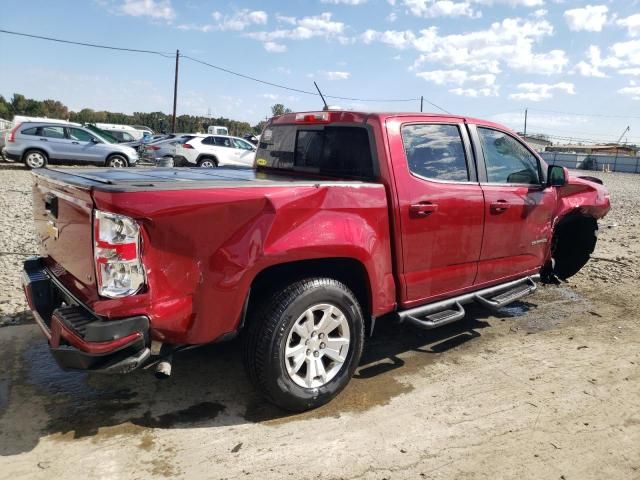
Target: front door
[441, 207]
[518, 208]
[85, 147]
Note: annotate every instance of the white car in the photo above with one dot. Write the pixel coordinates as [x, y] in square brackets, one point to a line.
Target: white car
[215, 150]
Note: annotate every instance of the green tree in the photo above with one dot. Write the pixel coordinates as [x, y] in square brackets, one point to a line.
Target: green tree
[279, 109]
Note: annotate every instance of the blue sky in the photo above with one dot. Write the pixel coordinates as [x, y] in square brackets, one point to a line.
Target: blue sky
[485, 58]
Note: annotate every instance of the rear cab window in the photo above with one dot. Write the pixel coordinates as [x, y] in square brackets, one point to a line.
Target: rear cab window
[340, 151]
[435, 152]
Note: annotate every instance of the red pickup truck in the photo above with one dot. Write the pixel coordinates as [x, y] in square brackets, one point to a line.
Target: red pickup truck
[346, 218]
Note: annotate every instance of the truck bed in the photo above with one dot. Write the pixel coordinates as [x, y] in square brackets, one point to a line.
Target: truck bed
[145, 179]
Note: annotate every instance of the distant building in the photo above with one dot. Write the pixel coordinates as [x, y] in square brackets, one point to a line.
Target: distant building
[538, 143]
[608, 149]
[5, 124]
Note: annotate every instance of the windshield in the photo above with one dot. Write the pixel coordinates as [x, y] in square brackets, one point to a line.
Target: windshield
[334, 151]
[102, 134]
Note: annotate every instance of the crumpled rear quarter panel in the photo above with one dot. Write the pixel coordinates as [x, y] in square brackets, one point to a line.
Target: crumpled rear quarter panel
[203, 248]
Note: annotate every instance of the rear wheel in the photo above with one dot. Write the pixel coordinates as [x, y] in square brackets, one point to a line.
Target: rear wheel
[207, 163]
[303, 344]
[117, 161]
[35, 159]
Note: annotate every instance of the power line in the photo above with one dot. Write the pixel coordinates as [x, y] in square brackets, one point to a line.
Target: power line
[222, 69]
[307, 92]
[584, 114]
[85, 44]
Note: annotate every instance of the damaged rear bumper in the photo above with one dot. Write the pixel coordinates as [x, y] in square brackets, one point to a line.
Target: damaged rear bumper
[78, 338]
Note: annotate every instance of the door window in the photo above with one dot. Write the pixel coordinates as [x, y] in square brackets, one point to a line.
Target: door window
[242, 144]
[222, 141]
[53, 132]
[507, 160]
[80, 135]
[436, 152]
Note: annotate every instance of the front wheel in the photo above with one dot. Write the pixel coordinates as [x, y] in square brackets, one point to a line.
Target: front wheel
[303, 346]
[117, 161]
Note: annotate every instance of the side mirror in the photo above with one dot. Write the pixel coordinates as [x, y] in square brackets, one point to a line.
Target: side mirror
[94, 140]
[557, 176]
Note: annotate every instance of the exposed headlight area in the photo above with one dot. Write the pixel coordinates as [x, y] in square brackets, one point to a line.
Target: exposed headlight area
[119, 268]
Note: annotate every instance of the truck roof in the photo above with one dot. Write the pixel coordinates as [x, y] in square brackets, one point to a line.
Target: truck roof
[347, 116]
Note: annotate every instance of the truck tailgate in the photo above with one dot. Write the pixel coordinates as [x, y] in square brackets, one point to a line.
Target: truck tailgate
[63, 223]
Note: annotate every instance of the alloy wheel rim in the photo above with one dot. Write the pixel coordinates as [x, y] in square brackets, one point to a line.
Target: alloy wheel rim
[207, 164]
[317, 346]
[117, 163]
[35, 160]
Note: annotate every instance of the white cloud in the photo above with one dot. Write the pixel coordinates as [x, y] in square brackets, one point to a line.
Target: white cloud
[592, 67]
[625, 54]
[344, 2]
[629, 71]
[156, 9]
[509, 42]
[239, 20]
[590, 18]
[536, 92]
[476, 92]
[458, 8]
[482, 85]
[303, 29]
[274, 47]
[336, 75]
[632, 23]
[633, 90]
[440, 8]
[540, 13]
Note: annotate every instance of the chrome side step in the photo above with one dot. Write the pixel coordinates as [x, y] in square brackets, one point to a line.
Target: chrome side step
[505, 298]
[437, 319]
[451, 310]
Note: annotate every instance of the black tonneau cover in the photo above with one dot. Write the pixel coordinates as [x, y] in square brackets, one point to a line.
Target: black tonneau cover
[140, 179]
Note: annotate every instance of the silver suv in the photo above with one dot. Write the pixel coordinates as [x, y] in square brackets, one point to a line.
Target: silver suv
[39, 143]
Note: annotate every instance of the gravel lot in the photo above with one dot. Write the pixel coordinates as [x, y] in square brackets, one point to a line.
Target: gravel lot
[549, 389]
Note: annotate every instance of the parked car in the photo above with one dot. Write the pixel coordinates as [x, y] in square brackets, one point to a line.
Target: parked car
[38, 143]
[349, 219]
[210, 151]
[255, 139]
[164, 148]
[3, 135]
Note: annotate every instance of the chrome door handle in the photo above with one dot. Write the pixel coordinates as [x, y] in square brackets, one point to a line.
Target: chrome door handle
[422, 209]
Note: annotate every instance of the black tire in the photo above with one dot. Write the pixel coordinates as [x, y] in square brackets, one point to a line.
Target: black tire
[29, 159]
[117, 161]
[572, 245]
[267, 334]
[208, 162]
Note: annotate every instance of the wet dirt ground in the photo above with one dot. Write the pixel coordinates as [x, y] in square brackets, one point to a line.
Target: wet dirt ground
[550, 388]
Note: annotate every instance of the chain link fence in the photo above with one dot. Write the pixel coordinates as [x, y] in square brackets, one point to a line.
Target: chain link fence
[583, 161]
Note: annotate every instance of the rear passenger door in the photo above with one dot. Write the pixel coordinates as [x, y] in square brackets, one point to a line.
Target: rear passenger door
[518, 207]
[56, 142]
[440, 207]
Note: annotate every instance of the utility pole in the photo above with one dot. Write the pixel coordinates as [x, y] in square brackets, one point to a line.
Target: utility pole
[421, 102]
[525, 121]
[175, 95]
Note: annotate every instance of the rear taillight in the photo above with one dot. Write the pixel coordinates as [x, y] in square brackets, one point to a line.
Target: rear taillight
[12, 134]
[186, 145]
[116, 251]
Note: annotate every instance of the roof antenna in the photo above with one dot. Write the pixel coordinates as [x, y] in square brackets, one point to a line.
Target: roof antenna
[326, 107]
